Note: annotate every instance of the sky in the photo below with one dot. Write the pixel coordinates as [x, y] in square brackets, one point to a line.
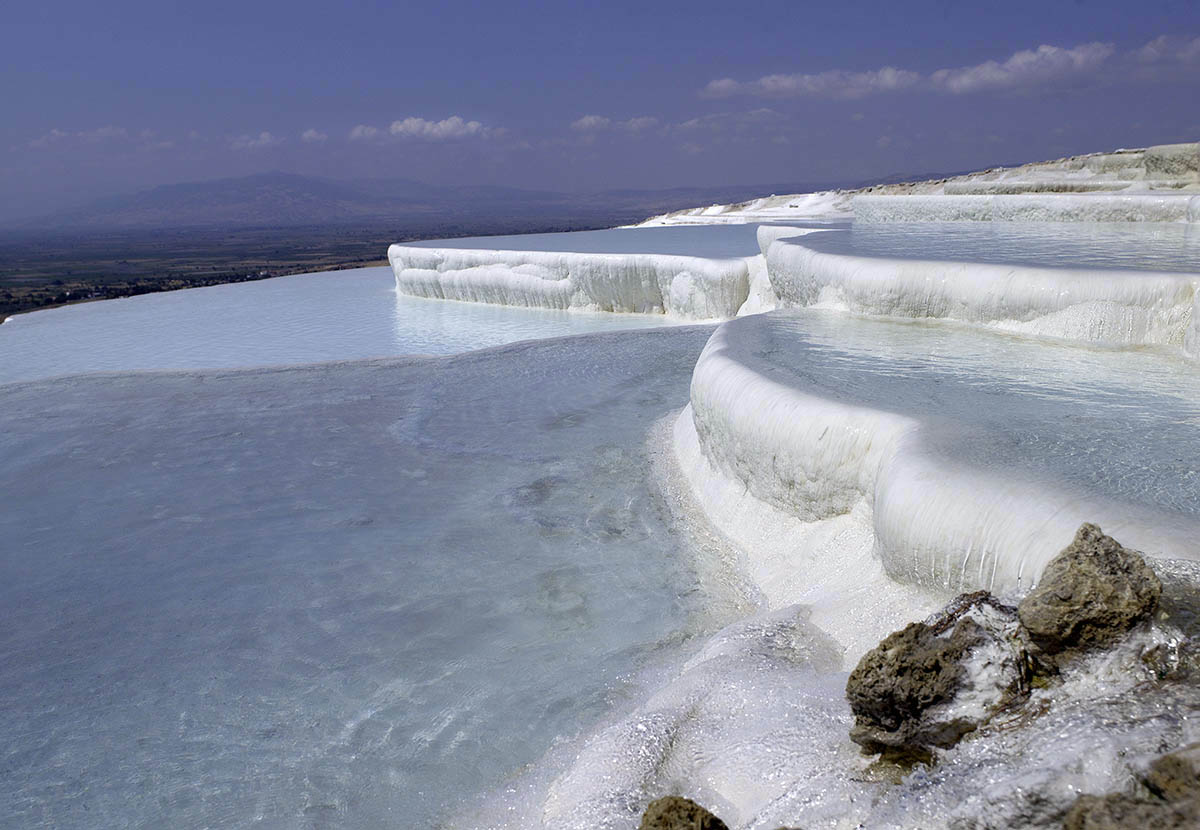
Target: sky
[108, 98]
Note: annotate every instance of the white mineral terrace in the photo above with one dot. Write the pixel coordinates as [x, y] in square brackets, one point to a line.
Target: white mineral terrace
[689, 287]
[1047, 292]
[622, 270]
[1156, 184]
[1028, 207]
[963, 457]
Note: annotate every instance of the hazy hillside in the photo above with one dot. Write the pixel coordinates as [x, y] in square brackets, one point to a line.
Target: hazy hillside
[286, 200]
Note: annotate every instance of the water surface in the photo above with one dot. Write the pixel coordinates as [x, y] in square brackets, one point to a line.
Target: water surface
[346, 595]
[1140, 246]
[308, 318]
[712, 241]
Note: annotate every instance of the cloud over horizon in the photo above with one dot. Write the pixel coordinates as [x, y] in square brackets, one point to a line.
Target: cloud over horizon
[834, 83]
[596, 123]
[412, 127]
[256, 142]
[55, 135]
[1165, 48]
[452, 127]
[1025, 68]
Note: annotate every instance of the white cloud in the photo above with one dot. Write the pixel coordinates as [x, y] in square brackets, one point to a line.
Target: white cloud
[447, 129]
[311, 136]
[92, 136]
[53, 137]
[590, 123]
[1025, 68]
[834, 83]
[255, 142]
[636, 125]
[1167, 47]
[749, 120]
[1153, 51]
[723, 88]
[364, 132]
[1028, 67]
[102, 133]
[452, 127]
[1190, 51]
[596, 123]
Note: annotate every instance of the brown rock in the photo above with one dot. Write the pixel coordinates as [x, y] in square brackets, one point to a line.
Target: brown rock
[1121, 812]
[1089, 595]
[932, 682]
[1176, 775]
[675, 813]
[1174, 778]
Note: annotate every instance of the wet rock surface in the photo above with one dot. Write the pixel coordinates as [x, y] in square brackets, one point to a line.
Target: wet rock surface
[1123, 812]
[1089, 596]
[1176, 775]
[932, 682]
[675, 813]
[1173, 780]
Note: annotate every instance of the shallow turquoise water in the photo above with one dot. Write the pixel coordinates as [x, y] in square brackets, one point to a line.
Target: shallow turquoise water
[308, 318]
[713, 241]
[1103, 246]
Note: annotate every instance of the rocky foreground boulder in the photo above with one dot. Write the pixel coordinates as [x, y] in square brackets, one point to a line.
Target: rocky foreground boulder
[932, 682]
[676, 813]
[1176, 775]
[927, 685]
[1173, 782]
[1090, 595]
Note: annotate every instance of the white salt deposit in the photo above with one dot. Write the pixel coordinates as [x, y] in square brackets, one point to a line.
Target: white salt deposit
[823, 206]
[1064, 297]
[963, 450]
[1025, 207]
[688, 287]
[687, 273]
[789, 442]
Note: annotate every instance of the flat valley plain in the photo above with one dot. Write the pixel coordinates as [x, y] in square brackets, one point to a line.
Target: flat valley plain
[42, 269]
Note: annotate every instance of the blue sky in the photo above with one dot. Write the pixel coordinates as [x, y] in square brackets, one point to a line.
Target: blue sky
[104, 98]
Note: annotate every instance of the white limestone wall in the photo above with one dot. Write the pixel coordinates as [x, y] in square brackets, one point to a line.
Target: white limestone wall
[1115, 307]
[683, 286]
[1028, 207]
[794, 469]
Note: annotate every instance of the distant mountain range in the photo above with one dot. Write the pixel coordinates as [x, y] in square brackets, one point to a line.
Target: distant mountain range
[288, 200]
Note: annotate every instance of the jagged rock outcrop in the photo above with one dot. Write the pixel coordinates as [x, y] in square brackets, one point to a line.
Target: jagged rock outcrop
[1174, 780]
[675, 813]
[1173, 160]
[932, 682]
[1176, 775]
[1089, 595]
[1117, 811]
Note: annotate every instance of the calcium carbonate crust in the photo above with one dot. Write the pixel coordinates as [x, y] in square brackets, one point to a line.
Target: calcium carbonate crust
[1022, 207]
[1128, 308]
[689, 287]
[935, 520]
